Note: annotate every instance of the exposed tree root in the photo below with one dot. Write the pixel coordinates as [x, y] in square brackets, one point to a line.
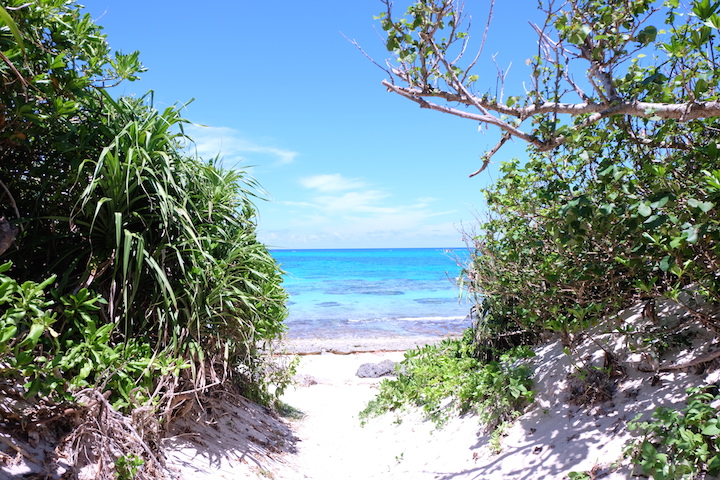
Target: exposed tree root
[104, 435]
[88, 439]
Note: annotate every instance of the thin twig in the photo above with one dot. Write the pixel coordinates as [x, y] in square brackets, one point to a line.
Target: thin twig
[488, 155]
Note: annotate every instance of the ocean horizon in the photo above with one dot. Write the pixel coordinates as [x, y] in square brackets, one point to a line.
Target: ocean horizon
[373, 292]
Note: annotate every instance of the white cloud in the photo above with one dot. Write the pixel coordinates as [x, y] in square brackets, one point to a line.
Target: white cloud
[233, 147]
[355, 202]
[331, 183]
[356, 206]
[335, 212]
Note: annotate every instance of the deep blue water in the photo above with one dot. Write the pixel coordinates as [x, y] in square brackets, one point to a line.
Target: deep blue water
[373, 292]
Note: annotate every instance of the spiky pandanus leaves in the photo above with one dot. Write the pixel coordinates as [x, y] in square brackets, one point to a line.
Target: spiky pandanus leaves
[108, 198]
[171, 244]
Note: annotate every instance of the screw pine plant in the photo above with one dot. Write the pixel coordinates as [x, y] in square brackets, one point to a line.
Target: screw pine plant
[137, 271]
[110, 198]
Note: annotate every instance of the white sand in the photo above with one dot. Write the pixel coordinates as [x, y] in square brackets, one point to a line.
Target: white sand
[551, 439]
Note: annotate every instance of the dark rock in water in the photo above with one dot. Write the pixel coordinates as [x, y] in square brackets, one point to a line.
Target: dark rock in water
[375, 370]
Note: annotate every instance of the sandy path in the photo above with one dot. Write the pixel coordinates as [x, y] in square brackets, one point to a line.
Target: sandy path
[553, 437]
[550, 440]
[333, 445]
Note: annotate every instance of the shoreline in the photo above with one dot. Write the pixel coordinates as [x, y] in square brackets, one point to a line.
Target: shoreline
[356, 345]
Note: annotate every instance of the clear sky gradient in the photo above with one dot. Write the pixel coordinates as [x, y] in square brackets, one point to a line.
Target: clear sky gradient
[283, 94]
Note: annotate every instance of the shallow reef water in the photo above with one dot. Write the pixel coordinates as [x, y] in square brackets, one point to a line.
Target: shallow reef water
[373, 292]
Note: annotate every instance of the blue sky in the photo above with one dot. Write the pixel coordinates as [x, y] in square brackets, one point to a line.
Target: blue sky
[280, 92]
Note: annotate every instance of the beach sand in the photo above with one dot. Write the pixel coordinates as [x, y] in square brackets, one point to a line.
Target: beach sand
[551, 439]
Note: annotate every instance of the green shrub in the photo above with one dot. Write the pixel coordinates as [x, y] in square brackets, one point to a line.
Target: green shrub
[33, 351]
[678, 444]
[110, 197]
[447, 378]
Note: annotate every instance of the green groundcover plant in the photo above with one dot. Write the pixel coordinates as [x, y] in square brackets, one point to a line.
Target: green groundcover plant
[680, 444]
[56, 347]
[447, 378]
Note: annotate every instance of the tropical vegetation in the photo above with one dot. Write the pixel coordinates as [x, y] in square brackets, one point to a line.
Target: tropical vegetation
[680, 443]
[131, 266]
[616, 202]
[617, 198]
[448, 379]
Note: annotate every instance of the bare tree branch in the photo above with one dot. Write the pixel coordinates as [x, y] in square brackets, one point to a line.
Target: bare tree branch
[665, 111]
[428, 72]
[12, 200]
[489, 154]
[367, 55]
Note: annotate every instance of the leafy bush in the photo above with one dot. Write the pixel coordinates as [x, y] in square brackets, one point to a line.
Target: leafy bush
[617, 197]
[54, 364]
[110, 198]
[447, 377]
[578, 235]
[680, 444]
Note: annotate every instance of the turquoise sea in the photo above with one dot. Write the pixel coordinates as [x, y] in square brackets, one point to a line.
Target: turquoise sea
[373, 292]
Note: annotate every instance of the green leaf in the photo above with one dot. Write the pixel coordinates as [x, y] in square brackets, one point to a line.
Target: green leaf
[703, 206]
[36, 329]
[665, 263]
[654, 221]
[711, 428]
[647, 35]
[701, 87]
[691, 234]
[644, 210]
[7, 19]
[662, 201]
[7, 333]
[85, 370]
[410, 58]
[676, 242]
[714, 465]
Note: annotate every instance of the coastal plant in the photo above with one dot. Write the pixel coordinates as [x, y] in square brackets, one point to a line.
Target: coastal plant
[110, 197]
[680, 444]
[136, 270]
[447, 379]
[579, 476]
[173, 249]
[126, 467]
[55, 347]
[616, 198]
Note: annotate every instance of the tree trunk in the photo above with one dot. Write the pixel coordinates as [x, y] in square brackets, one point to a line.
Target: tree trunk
[7, 234]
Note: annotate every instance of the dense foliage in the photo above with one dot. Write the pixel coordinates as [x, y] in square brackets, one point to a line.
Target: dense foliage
[617, 200]
[59, 347]
[111, 201]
